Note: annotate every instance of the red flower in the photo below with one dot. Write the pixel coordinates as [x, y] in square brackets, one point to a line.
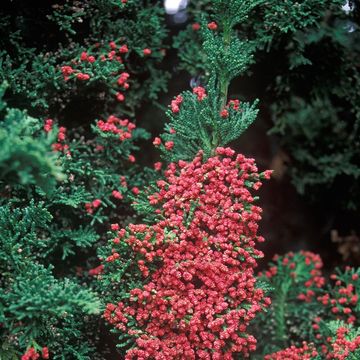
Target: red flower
[83, 56]
[196, 26]
[212, 25]
[147, 51]
[123, 49]
[120, 97]
[67, 70]
[175, 104]
[117, 194]
[45, 352]
[96, 203]
[169, 145]
[82, 77]
[157, 141]
[157, 166]
[200, 92]
[224, 113]
[96, 271]
[48, 125]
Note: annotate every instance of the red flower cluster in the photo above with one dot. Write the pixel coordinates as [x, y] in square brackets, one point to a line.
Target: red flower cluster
[200, 92]
[48, 125]
[117, 126]
[343, 299]
[202, 295]
[341, 348]
[32, 354]
[96, 271]
[84, 64]
[212, 25]
[196, 26]
[60, 145]
[234, 104]
[117, 194]
[303, 266]
[91, 206]
[306, 352]
[175, 104]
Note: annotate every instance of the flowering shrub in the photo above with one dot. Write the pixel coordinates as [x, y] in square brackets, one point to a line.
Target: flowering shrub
[343, 346]
[197, 261]
[306, 352]
[177, 278]
[86, 42]
[305, 307]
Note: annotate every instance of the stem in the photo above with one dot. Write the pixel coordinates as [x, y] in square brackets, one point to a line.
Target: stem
[280, 314]
[224, 82]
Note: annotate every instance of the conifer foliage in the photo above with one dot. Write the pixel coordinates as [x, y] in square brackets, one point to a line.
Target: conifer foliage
[195, 260]
[165, 257]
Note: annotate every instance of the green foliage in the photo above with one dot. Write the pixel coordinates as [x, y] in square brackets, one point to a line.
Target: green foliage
[32, 66]
[119, 276]
[315, 109]
[23, 158]
[303, 304]
[318, 163]
[56, 192]
[200, 124]
[36, 307]
[288, 320]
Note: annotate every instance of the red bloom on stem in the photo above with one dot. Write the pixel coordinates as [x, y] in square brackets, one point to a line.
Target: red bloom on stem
[212, 25]
[30, 354]
[157, 141]
[157, 166]
[200, 92]
[91, 59]
[117, 194]
[120, 97]
[175, 104]
[96, 203]
[147, 52]
[169, 145]
[45, 352]
[96, 271]
[82, 77]
[195, 26]
[83, 56]
[67, 70]
[224, 113]
[48, 125]
[123, 49]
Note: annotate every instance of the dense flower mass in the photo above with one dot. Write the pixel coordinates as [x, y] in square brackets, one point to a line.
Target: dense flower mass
[304, 268]
[202, 294]
[338, 348]
[305, 352]
[342, 302]
[341, 347]
[117, 126]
